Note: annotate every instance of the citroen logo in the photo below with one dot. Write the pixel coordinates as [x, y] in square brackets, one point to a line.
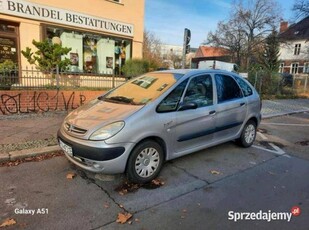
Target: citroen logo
[70, 127]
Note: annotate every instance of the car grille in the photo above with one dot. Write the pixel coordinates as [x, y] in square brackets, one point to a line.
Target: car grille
[73, 129]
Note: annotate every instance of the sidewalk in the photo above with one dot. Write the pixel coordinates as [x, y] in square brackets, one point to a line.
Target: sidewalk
[34, 134]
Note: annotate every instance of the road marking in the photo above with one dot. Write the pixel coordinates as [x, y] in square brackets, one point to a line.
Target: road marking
[262, 136]
[277, 150]
[283, 124]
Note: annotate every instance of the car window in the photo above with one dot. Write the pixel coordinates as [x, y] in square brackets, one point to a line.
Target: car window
[170, 103]
[143, 89]
[200, 91]
[227, 88]
[246, 89]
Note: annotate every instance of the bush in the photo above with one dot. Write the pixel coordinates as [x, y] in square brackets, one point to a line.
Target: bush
[135, 67]
[8, 74]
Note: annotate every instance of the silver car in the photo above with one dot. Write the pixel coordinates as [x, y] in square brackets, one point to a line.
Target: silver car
[157, 117]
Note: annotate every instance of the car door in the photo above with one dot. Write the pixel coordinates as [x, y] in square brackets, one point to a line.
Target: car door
[231, 109]
[194, 128]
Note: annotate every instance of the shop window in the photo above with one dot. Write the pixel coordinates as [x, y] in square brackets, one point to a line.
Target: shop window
[92, 53]
[9, 49]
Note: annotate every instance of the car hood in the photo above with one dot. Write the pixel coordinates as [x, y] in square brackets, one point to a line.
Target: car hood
[98, 113]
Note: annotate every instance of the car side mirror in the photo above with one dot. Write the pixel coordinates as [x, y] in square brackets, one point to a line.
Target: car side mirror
[187, 106]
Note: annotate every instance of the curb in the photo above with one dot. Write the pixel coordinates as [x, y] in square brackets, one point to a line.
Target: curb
[21, 154]
[283, 114]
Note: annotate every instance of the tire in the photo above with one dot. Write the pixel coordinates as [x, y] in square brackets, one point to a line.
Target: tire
[248, 134]
[145, 162]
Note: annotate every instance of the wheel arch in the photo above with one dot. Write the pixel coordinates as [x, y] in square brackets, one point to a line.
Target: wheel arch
[157, 139]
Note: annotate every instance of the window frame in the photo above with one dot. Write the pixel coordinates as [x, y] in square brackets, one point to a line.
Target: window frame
[230, 76]
[306, 68]
[294, 68]
[297, 48]
[212, 84]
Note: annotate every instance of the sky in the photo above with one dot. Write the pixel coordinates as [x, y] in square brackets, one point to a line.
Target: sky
[167, 19]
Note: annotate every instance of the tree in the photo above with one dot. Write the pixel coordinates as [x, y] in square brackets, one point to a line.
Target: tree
[229, 35]
[301, 8]
[244, 32]
[258, 18]
[48, 56]
[269, 59]
[152, 50]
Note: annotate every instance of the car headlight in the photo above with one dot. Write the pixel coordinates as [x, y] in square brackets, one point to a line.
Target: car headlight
[107, 131]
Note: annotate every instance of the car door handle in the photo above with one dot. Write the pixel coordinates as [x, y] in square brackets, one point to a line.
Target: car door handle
[242, 104]
[212, 112]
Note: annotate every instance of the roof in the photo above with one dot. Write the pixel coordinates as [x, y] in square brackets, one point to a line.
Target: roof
[209, 51]
[297, 31]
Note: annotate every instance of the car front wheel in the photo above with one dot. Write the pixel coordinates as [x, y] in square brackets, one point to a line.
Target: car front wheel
[248, 134]
[145, 162]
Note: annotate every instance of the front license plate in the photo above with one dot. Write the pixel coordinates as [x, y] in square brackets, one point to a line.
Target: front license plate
[66, 148]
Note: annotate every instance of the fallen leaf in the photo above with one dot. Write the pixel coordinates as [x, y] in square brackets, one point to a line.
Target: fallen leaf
[123, 217]
[71, 175]
[8, 222]
[157, 182]
[215, 172]
[106, 205]
[136, 220]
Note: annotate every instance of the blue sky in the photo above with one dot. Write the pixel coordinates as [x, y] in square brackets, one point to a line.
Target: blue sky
[168, 18]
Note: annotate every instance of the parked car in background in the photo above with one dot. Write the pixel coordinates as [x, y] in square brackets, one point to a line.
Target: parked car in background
[157, 117]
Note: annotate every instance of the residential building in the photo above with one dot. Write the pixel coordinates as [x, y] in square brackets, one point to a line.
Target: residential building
[205, 53]
[102, 34]
[294, 47]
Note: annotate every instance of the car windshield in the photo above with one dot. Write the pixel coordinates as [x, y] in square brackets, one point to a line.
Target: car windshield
[143, 89]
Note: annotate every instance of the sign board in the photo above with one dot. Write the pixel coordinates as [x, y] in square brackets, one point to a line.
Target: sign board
[39, 12]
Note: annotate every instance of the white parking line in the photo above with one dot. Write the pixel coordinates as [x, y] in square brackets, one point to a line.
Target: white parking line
[284, 124]
[277, 150]
[262, 136]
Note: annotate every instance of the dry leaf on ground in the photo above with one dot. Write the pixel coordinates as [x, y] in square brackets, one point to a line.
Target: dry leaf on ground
[215, 172]
[8, 222]
[71, 175]
[123, 217]
[157, 182]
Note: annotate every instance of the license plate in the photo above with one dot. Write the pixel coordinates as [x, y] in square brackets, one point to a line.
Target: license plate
[66, 148]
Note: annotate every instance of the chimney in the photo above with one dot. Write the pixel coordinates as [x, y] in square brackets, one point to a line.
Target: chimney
[283, 26]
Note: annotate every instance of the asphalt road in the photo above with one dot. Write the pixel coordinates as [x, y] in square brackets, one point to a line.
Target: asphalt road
[206, 190]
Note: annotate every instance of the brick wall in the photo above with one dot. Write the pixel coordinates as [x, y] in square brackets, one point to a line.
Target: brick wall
[37, 101]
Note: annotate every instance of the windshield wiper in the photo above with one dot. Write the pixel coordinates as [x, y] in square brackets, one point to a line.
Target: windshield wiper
[121, 99]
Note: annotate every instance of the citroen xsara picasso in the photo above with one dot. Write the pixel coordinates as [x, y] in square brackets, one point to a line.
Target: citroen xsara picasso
[157, 117]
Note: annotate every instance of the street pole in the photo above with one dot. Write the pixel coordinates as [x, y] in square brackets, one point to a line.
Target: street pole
[186, 47]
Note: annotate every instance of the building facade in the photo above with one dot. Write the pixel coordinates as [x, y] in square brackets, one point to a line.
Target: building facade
[294, 47]
[102, 35]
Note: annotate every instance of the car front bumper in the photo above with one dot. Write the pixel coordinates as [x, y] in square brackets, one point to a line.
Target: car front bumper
[95, 156]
